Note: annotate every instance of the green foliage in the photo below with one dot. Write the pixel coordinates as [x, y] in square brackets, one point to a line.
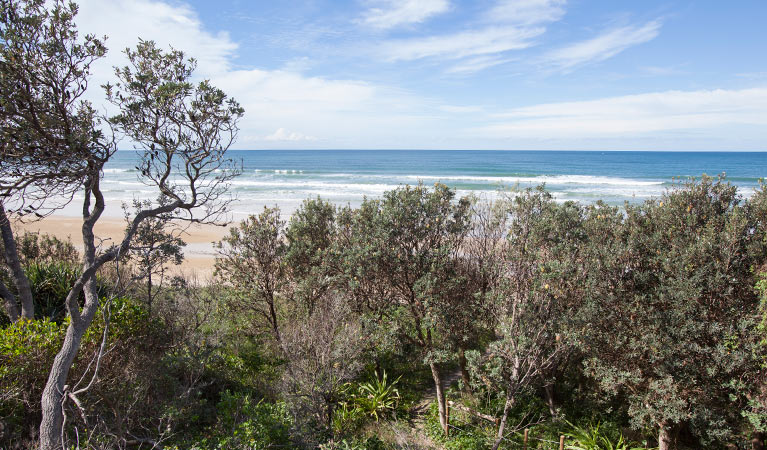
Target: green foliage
[153, 247]
[656, 302]
[671, 305]
[26, 351]
[374, 399]
[131, 371]
[464, 435]
[377, 398]
[593, 437]
[754, 387]
[250, 263]
[244, 423]
[398, 261]
[371, 443]
[44, 248]
[51, 266]
[50, 283]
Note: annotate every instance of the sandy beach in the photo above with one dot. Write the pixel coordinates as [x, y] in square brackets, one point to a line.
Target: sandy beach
[198, 253]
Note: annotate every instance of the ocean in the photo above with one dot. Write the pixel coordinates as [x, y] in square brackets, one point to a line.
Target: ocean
[287, 177]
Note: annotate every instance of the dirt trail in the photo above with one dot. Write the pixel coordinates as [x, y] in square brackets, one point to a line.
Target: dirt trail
[419, 438]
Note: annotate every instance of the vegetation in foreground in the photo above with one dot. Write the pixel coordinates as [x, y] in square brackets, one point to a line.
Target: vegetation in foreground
[338, 328]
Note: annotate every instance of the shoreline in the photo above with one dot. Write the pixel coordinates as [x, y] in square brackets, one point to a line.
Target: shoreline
[199, 254]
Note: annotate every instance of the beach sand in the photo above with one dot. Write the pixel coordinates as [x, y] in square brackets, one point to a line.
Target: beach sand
[198, 253]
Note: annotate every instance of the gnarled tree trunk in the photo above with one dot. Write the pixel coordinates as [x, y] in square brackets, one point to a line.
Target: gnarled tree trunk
[51, 427]
[17, 272]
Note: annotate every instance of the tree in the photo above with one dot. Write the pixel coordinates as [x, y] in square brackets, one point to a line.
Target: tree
[481, 265]
[51, 139]
[534, 298]
[310, 235]
[183, 131]
[153, 248]
[753, 385]
[409, 241]
[671, 307]
[250, 261]
[322, 351]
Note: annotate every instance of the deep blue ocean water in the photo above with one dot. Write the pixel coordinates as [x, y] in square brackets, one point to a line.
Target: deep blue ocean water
[287, 177]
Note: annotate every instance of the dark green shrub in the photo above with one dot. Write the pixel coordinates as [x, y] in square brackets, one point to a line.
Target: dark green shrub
[131, 372]
[35, 247]
[244, 423]
[50, 283]
[27, 349]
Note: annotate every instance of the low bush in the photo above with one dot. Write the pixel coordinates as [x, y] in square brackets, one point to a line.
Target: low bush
[244, 424]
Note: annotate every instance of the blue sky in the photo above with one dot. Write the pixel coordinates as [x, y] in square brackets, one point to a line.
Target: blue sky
[486, 74]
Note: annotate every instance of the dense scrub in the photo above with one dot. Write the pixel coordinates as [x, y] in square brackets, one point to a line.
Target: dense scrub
[618, 327]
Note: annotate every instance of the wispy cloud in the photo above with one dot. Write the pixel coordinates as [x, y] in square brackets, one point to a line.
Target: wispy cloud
[526, 12]
[469, 43]
[473, 65]
[509, 25]
[601, 47]
[662, 71]
[634, 115]
[458, 109]
[392, 13]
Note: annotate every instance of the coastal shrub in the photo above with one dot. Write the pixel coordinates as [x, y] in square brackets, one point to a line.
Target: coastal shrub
[50, 283]
[49, 263]
[244, 423]
[370, 443]
[130, 372]
[39, 248]
[672, 305]
[154, 247]
[26, 349]
[464, 434]
[400, 265]
[536, 297]
[322, 352]
[369, 400]
[377, 398]
[594, 437]
[755, 386]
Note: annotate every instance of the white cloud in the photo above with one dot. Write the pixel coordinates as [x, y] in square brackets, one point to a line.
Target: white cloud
[287, 109]
[473, 65]
[509, 25]
[468, 43]
[702, 112]
[347, 111]
[458, 109]
[526, 12]
[602, 47]
[344, 112]
[124, 21]
[281, 134]
[393, 13]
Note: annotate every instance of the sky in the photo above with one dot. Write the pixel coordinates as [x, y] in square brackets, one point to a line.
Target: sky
[482, 74]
